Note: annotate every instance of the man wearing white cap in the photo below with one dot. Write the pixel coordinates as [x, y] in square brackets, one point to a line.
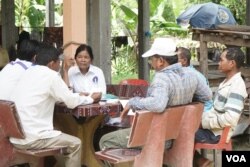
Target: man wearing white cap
[172, 85]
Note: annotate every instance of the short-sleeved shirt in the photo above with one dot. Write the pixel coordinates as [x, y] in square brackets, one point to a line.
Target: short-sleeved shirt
[173, 85]
[92, 81]
[10, 75]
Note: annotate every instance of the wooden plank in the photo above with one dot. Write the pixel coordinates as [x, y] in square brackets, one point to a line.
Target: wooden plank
[201, 30]
[228, 40]
[224, 39]
[203, 56]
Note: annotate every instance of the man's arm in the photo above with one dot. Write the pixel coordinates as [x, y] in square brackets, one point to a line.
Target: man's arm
[61, 93]
[202, 93]
[228, 117]
[157, 97]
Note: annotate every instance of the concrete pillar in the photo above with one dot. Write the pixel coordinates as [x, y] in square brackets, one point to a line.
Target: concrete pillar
[74, 25]
[50, 13]
[99, 34]
[9, 30]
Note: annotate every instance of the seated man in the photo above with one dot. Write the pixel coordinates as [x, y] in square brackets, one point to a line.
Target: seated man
[228, 101]
[184, 57]
[12, 72]
[172, 85]
[35, 96]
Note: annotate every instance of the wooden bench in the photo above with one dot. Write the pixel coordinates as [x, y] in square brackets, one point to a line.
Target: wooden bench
[10, 126]
[151, 130]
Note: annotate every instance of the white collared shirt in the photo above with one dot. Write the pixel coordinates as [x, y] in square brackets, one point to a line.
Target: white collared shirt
[92, 81]
[10, 75]
[35, 97]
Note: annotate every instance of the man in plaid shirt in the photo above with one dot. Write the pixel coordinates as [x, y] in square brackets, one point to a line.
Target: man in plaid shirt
[172, 85]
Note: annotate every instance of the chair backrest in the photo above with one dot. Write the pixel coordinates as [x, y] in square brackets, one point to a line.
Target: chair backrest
[9, 120]
[9, 127]
[181, 153]
[175, 127]
[143, 120]
[134, 82]
[127, 91]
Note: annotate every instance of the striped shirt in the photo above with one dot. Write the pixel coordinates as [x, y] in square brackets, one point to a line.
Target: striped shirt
[173, 85]
[227, 107]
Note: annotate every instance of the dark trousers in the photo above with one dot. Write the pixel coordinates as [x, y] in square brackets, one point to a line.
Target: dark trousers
[206, 136]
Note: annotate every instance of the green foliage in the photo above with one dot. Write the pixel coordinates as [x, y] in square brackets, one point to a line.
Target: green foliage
[31, 13]
[124, 63]
[36, 14]
[238, 8]
[21, 11]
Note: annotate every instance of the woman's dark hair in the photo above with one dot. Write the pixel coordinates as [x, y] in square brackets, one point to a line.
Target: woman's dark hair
[28, 49]
[236, 54]
[24, 35]
[83, 47]
[46, 53]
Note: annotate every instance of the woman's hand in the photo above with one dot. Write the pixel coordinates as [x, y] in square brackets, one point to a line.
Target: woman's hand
[96, 96]
[84, 94]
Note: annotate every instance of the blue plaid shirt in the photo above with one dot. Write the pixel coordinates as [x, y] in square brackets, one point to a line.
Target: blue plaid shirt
[173, 85]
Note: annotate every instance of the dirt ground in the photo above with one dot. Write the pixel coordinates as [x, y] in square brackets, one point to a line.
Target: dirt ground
[241, 143]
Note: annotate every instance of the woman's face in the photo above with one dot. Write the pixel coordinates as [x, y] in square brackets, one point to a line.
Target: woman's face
[83, 60]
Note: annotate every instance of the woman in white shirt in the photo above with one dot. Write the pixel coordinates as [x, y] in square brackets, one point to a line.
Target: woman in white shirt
[85, 77]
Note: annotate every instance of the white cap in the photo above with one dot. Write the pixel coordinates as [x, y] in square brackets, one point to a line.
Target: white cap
[162, 47]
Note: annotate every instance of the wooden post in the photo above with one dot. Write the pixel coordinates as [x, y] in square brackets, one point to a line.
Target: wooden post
[9, 30]
[203, 56]
[143, 37]
[50, 13]
[248, 23]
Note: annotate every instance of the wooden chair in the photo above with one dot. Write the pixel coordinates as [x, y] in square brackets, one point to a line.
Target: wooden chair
[134, 82]
[149, 130]
[221, 145]
[10, 126]
[127, 91]
[181, 153]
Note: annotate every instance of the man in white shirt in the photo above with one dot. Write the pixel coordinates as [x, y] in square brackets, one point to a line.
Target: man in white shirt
[11, 73]
[35, 96]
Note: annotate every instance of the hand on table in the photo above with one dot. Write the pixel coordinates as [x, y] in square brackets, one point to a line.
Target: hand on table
[124, 112]
[96, 96]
